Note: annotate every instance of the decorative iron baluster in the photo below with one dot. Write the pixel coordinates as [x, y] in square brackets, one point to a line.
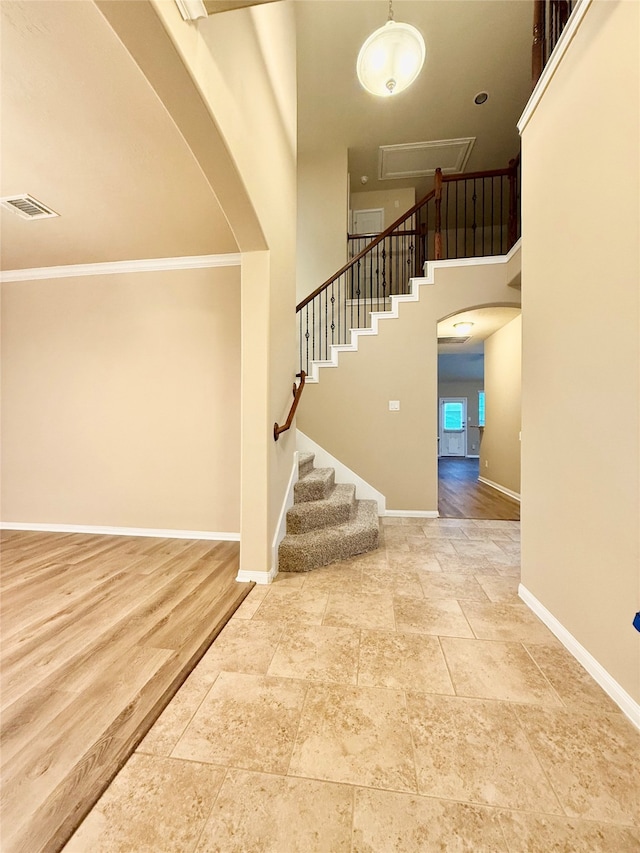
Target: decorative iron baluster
[475, 223]
[358, 295]
[307, 334]
[333, 320]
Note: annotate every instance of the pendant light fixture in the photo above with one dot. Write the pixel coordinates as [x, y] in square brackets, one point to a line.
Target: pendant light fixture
[391, 58]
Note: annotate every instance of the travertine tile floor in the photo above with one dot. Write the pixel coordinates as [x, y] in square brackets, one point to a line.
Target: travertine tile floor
[405, 700]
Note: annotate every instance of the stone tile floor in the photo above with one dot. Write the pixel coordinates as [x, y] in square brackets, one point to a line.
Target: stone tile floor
[402, 701]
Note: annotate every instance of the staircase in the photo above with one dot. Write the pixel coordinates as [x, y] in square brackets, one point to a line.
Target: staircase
[326, 523]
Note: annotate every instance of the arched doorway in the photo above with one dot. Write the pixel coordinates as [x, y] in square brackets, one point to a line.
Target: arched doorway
[478, 443]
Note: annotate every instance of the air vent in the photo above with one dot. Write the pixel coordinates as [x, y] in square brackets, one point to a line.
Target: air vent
[28, 207]
[453, 340]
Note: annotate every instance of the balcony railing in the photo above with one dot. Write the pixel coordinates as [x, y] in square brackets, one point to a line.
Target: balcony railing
[468, 215]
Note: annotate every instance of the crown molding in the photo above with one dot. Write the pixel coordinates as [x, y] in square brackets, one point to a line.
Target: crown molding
[119, 267]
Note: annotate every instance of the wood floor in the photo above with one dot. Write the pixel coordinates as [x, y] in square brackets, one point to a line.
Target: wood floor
[98, 633]
[460, 495]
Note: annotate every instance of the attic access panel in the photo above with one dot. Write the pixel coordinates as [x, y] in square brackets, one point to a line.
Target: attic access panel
[421, 159]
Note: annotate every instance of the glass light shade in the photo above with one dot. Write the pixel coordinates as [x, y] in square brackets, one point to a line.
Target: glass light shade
[391, 59]
[463, 328]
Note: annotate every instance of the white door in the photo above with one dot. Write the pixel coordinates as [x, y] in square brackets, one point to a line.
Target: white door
[368, 221]
[453, 426]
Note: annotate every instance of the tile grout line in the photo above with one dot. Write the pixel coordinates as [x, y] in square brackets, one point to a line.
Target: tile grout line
[539, 763]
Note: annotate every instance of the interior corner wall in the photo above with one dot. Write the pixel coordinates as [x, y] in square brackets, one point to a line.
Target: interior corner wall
[581, 359]
[347, 411]
[120, 401]
[500, 442]
[322, 217]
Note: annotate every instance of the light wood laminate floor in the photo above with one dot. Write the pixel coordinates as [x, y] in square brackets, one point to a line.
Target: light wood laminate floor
[461, 495]
[98, 633]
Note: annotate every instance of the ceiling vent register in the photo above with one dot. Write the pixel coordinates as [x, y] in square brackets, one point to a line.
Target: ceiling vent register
[27, 207]
[453, 340]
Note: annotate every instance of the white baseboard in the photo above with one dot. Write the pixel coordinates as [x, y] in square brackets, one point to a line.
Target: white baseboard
[472, 456]
[121, 531]
[500, 488]
[364, 490]
[413, 513]
[623, 700]
[248, 576]
[281, 529]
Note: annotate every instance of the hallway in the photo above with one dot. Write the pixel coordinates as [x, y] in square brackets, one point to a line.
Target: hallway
[460, 495]
[401, 701]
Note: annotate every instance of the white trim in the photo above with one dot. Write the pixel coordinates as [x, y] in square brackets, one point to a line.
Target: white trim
[471, 455]
[247, 576]
[364, 490]
[281, 529]
[116, 267]
[414, 296]
[191, 10]
[499, 488]
[623, 700]
[119, 531]
[431, 266]
[555, 59]
[413, 513]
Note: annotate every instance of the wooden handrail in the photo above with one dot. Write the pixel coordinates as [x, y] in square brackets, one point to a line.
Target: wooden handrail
[297, 393]
[361, 254]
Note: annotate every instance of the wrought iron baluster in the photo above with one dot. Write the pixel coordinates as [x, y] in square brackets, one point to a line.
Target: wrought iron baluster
[306, 311]
[501, 214]
[475, 223]
[493, 180]
[333, 319]
[358, 295]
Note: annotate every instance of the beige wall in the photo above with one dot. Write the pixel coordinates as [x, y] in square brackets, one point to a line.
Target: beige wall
[322, 217]
[120, 400]
[394, 202]
[466, 388]
[580, 271]
[500, 444]
[243, 64]
[347, 413]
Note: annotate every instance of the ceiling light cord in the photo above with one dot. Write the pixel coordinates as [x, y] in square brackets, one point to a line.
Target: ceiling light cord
[391, 10]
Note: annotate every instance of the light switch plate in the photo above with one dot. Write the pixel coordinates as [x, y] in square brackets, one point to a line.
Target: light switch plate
[394, 405]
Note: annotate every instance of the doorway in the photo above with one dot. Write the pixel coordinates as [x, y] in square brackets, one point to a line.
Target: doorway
[452, 435]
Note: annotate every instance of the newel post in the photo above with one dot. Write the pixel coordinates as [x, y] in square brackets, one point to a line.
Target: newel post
[438, 224]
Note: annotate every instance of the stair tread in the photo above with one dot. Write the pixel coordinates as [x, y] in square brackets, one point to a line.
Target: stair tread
[313, 485]
[338, 507]
[342, 493]
[318, 474]
[366, 513]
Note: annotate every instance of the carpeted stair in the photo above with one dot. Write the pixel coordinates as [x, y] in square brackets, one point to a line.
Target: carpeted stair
[326, 523]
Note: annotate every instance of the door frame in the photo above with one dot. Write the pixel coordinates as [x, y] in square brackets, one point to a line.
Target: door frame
[441, 401]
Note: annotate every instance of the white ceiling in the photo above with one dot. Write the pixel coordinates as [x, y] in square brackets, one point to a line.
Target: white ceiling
[472, 45]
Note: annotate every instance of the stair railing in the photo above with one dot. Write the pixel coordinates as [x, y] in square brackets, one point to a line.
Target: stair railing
[297, 393]
[468, 215]
[549, 20]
